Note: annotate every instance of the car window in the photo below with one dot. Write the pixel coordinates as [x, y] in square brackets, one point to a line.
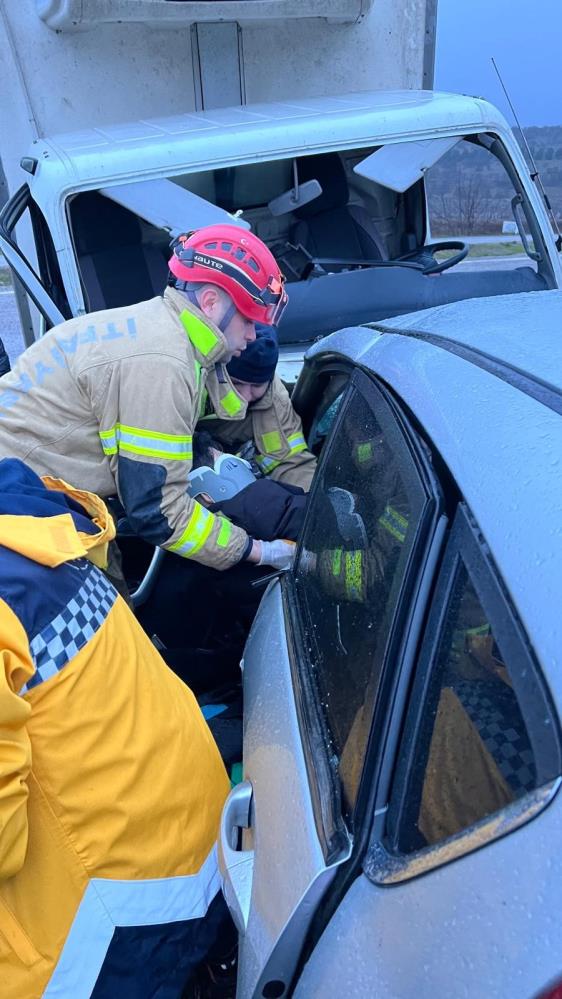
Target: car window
[327, 410]
[470, 193]
[482, 732]
[359, 534]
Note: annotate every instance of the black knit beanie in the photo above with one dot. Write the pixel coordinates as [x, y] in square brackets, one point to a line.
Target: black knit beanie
[257, 363]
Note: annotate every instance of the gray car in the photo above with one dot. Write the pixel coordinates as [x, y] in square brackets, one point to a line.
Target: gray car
[398, 832]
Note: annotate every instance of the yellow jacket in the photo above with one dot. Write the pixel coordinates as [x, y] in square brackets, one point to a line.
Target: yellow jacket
[110, 783]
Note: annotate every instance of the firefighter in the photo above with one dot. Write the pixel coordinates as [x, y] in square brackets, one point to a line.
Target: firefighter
[110, 400]
[112, 785]
[267, 415]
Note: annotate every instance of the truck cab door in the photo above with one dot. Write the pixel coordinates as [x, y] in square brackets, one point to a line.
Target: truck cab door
[44, 299]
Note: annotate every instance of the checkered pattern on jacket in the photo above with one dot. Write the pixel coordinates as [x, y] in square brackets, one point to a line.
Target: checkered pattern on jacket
[72, 628]
[493, 710]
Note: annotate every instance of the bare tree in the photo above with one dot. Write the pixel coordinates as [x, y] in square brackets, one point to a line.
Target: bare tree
[467, 207]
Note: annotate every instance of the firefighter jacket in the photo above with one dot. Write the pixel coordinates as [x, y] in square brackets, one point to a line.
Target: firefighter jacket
[109, 401]
[111, 784]
[271, 423]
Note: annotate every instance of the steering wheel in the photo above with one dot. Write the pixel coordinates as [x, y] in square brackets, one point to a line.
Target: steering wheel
[425, 255]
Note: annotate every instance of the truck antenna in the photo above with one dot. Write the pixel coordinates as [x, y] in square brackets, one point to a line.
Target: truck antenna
[535, 175]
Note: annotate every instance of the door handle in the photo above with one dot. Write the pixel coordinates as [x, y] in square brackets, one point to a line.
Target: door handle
[236, 866]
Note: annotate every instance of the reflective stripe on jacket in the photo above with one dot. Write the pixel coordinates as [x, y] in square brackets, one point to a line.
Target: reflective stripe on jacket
[112, 785]
[109, 401]
[272, 424]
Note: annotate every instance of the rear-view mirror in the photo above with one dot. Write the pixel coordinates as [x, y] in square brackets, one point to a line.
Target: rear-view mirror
[298, 196]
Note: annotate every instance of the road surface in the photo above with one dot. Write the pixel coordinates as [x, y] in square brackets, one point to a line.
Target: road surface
[10, 329]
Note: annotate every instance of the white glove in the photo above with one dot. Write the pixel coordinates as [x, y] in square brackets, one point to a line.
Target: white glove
[279, 554]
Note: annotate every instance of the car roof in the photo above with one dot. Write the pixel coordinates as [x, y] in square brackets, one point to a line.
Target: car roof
[504, 327]
[200, 139]
[501, 439]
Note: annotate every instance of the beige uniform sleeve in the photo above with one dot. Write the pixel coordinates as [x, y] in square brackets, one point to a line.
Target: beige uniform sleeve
[146, 414]
[15, 747]
[279, 439]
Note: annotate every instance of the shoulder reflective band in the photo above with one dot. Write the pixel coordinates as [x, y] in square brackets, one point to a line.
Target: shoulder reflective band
[173, 447]
[395, 523]
[296, 443]
[202, 336]
[199, 526]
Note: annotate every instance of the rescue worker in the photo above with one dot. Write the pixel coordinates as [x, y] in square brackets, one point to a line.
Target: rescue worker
[112, 785]
[110, 400]
[269, 419]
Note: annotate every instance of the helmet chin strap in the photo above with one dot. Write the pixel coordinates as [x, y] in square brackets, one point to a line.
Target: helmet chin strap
[226, 319]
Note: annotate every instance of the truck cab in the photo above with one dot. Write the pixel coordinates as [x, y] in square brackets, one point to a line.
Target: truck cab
[344, 190]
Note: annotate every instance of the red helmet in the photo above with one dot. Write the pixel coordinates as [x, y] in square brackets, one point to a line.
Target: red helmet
[237, 261]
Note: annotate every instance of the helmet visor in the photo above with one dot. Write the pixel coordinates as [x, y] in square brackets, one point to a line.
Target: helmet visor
[274, 297]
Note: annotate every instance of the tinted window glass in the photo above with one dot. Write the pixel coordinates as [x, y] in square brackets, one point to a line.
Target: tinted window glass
[476, 749]
[357, 541]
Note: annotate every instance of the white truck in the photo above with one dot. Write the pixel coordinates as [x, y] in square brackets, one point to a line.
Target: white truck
[138, 119]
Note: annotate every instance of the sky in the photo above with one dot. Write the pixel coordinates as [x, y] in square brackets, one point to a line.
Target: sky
[525, 39]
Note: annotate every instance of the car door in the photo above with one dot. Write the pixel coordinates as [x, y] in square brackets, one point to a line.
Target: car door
[45, 291]
[316, 668]
[457, 885]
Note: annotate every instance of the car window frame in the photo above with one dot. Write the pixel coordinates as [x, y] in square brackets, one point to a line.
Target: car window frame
[384, 863]
[12, 212]
[429, 535]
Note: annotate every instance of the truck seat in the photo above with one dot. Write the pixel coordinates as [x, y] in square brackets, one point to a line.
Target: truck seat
[116, 267]
[329, 226]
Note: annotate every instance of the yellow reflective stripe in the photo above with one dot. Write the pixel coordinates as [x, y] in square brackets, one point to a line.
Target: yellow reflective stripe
[231, 403]
[296, 439]
[197, 374]
[224, 533]
[108, 440]
[299, 444]
[271, 441]
[199, 526]
[203, 403]
[336, 561]
[266, 464]
[201, 336]
[354, 575]
[481, 629]
[394, 523]
[152, 443]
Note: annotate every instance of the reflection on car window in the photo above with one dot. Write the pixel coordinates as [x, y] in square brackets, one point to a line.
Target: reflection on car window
[473, 755]
[327, 410]
[356, 544]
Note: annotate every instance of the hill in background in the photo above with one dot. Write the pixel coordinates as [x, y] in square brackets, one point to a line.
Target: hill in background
[470, 193]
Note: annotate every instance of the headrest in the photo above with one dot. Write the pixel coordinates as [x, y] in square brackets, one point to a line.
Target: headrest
[101, 224]
[329, 171]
